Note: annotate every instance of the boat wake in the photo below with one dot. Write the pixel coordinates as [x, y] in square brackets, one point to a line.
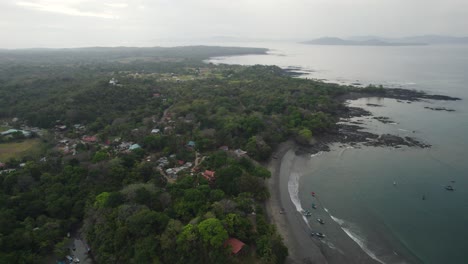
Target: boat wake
[353, 232]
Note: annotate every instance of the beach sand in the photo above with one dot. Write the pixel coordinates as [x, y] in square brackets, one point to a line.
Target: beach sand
[337, 247]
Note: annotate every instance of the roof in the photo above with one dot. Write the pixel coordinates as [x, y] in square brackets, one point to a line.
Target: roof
[240, 152]
[11, 131]
[209, 175]
[90, 139]
[225, 148]
[134, 146]
[236, 245]
[191, 144]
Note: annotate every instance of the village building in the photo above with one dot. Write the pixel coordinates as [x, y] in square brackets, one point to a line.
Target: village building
[61, 127]
[134, 146]
[168, 130]
[240, 153]
[90, 139]
[191, 144]
[64, 141]
[113, 81]
[209, 175]
[224, 148]
[12, 131]
[235, 244]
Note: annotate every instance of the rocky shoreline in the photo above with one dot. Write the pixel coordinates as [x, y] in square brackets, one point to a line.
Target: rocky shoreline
[351, 133]
[396, 93]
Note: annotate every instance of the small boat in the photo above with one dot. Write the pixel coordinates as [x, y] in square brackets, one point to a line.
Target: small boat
[449, 188]
[313, 194]
[317, 234]
[394, 183]
[320, 221]
[306, 213]
[314, 206]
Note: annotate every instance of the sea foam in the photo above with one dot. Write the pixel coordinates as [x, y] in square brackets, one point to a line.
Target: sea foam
[293, 188]
[316, 154]
[351, 230]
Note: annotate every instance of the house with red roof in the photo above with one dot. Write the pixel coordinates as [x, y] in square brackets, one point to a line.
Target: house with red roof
[235, 244]
[90, 139]
[209, 175]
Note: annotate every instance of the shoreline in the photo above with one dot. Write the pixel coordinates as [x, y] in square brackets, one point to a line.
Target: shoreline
[338, 246]
[294, 230]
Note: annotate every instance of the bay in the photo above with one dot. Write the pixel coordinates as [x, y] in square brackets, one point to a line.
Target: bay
[376, 194]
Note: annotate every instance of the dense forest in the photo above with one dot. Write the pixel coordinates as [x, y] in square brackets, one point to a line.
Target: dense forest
[116, 123]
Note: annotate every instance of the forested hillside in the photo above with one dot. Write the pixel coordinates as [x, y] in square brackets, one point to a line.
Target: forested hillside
[150, 154]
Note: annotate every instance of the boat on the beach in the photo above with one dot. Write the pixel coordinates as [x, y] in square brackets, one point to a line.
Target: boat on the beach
[449, 188]
[317, 234]
[306, 213]
[320, 221]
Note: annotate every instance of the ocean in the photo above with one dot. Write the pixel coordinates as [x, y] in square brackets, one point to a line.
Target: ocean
[392, 202]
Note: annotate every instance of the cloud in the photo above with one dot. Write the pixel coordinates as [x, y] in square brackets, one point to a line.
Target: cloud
[61, 23]
[66, 8]
[116, 5]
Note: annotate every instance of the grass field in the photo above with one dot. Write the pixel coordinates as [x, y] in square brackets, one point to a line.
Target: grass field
[19, 149]
[4, 128]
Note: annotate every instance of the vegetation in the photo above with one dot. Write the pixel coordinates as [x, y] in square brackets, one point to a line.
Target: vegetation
[18, 150]
[129, 210]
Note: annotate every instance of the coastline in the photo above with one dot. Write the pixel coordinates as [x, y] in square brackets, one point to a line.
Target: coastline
[290, 162]
[402, 93]
[295, 231]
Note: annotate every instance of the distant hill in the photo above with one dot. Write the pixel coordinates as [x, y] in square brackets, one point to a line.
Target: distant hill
[363, 42]
[436, 39]
[382, 41]
[93, 54]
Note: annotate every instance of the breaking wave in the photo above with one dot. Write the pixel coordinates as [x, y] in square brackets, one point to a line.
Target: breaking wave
[351, 230]
[316, 154]
[293, 188]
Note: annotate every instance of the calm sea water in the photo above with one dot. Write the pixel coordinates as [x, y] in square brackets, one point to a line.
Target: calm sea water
[356, 185]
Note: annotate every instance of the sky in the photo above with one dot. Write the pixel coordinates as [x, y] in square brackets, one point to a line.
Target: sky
[80, 23]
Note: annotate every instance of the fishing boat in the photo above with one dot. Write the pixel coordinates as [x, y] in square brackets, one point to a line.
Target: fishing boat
[306, 213]
[317, 234]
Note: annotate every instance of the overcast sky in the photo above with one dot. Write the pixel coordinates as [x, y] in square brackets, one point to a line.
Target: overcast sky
[78, 23]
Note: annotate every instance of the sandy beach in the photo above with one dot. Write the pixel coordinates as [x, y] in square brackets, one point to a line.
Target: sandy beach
[337, 247]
